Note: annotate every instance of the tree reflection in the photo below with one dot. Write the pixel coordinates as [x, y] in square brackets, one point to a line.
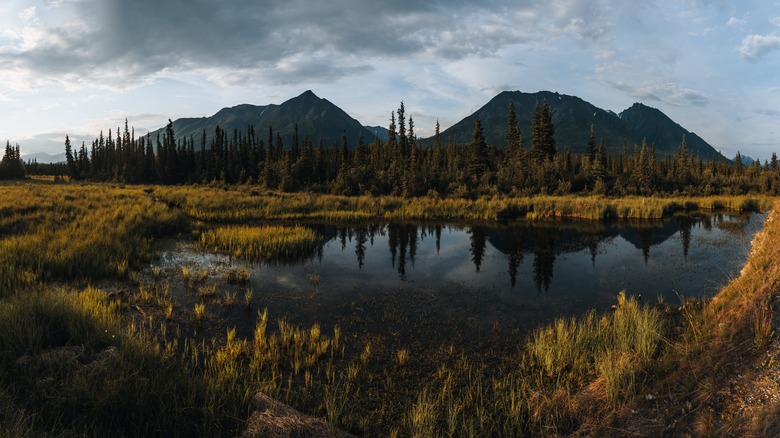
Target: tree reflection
[645, 239]
[477, 246]
[437, 232]
[686, 224]
[360, 245]
[544, 258]
[392, 241]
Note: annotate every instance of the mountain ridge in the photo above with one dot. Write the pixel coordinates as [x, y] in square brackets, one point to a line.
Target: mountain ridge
[318, 118]
[315, 117]
[572, 117]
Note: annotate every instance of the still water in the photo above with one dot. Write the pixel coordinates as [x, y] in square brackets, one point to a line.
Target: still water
[465, 275]
[534, 269]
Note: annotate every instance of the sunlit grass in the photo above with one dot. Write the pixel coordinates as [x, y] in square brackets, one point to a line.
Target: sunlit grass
[160, 382]
[212, 205]
[271, 242]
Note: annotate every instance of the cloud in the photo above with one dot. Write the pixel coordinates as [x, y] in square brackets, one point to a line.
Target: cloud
[120, 44]
[754, 47]
[768, 112]
[733, 21]
[664, 91]
[673, 94]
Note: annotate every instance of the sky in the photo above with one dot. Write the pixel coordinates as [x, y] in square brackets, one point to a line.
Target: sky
[76, 67]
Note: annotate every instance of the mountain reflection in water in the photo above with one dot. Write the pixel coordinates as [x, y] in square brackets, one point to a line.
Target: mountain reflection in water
[584, 262]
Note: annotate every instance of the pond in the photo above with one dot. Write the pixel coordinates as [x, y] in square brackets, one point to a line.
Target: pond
[485, 276]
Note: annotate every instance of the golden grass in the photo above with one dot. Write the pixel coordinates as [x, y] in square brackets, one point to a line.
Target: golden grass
[270, 242]
[242, 204]
[571, 374]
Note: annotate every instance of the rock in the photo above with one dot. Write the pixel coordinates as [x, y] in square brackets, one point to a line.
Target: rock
[274, 419]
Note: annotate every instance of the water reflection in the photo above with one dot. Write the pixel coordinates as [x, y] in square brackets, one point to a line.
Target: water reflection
[536, 255]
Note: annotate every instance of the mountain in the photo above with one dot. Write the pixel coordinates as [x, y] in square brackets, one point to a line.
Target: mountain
[43, 157]
[314, 116]
[383, 134]
[662, 131]
[572, 118]
[747, 160]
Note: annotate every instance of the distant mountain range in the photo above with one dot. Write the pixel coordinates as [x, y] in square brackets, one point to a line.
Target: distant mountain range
[43, 157]
[572, 117]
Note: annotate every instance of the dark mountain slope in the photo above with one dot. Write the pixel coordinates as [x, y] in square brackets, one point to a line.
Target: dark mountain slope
[573, 118]
[315, 117]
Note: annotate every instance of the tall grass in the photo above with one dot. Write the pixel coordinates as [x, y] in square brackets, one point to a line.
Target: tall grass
[271, 242]
[69, 232]
[74, 363]
[241, 205]
[72, 366]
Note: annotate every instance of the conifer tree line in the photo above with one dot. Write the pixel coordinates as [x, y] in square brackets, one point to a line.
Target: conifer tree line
[12, 166]
[399, 166]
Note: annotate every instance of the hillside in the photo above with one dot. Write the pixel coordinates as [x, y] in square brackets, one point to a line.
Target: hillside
[315, 117]
[662, 131]
[572, 118]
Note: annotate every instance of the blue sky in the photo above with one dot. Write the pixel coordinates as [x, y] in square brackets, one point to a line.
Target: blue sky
[78, 66]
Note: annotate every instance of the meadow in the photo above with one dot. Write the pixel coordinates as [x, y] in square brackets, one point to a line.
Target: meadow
[93, 342]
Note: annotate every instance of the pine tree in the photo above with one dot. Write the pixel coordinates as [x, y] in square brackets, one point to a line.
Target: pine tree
[514, 138]
[410, 182]
[591, 144]
[478, 159]
[548, 131]
[70, 160]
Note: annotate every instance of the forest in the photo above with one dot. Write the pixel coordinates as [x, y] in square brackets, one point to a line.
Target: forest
[401, 167]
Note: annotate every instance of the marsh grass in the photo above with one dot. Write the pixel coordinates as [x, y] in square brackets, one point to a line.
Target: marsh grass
[240, 276]
[207, 290]
[761, 322]
[70, 368]
[73, 364]
[271, 242]
[248, 295]
[199, 312]
[75, 232]
[229, 298]
[211, 205]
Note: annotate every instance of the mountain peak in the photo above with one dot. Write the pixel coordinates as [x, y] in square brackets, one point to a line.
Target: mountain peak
[573, 117]
[310, 115]
[307, 95]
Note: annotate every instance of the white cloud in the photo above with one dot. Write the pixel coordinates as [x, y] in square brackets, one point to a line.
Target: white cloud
[735, 21]
[671, 93]
[754, 47]
[605, 55]
[28, 15]
[775, 21]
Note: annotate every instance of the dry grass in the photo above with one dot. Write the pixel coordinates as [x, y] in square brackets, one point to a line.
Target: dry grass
[575, 375]
[270, 242]
[243, 204]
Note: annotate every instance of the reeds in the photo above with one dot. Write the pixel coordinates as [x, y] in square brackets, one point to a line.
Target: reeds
[211, 205]
[147, 380]
[615, 347]
[270, 242]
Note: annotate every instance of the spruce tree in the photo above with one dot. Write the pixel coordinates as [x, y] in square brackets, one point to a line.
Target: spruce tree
[591, 144]
[514, 138]
[70, 160]
[478, 159]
